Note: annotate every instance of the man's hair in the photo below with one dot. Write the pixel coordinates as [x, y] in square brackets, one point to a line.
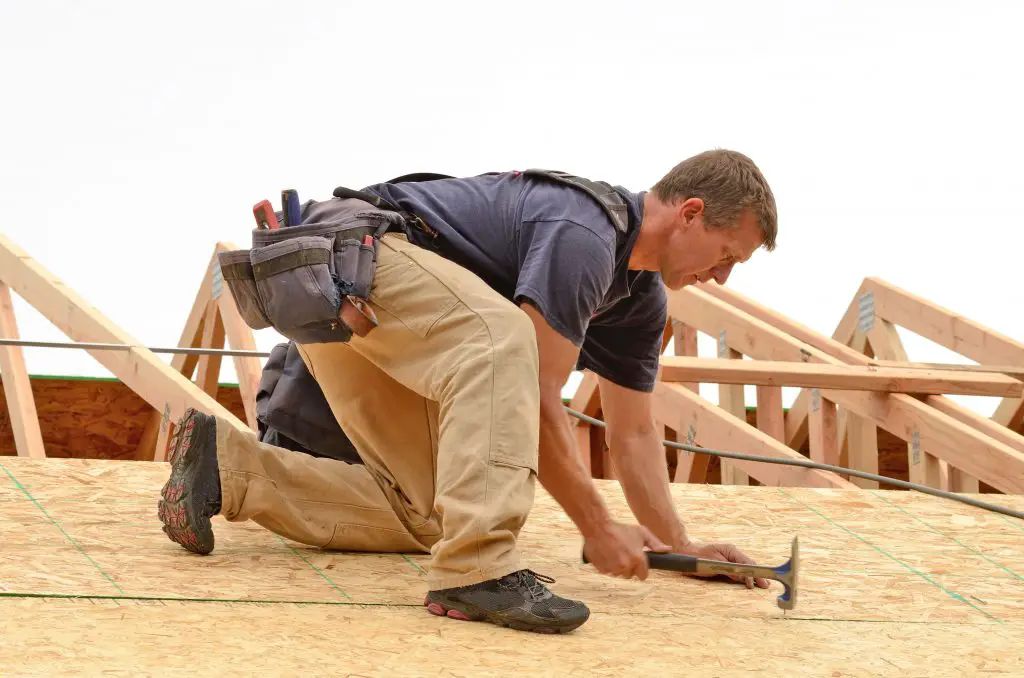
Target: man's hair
[728, 182]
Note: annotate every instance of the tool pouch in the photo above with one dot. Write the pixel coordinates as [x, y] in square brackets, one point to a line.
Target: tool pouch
[311, 281]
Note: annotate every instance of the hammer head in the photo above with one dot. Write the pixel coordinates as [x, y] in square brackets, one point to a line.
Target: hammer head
[787, 575]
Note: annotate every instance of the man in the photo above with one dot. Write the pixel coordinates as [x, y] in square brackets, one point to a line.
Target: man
[454, 401]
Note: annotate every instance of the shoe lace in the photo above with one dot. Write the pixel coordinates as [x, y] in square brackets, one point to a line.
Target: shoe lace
[528, 579]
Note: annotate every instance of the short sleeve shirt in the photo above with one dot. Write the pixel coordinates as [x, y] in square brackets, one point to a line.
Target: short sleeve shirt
[536, 240]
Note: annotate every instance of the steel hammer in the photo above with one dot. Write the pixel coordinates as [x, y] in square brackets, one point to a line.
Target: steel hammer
[785, 573]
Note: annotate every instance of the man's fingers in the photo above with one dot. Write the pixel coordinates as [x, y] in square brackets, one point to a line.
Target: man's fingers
[652, 542]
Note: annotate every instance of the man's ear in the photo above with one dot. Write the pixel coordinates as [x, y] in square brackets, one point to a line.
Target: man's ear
[689, 210]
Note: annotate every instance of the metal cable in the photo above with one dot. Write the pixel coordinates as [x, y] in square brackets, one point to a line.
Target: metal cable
[128, 347]
[824, 467]
[579, 415]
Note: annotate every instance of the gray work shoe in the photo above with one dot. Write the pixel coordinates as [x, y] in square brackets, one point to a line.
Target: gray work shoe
[192, 493]
[519, 601]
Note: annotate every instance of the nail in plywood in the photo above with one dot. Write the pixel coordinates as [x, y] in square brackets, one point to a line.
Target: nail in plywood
[21, 405]
[891, 584]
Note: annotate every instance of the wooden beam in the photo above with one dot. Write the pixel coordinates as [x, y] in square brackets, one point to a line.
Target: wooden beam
[991, 460]
[153, 444]
[685, 344]
[924, 468]
[823, 432]
[731, 399]
[716, 428]
[239, 337]
[21, 404]
[796, 421]
[955, 332]
[208, 367]
[835, 375]
[140, 369]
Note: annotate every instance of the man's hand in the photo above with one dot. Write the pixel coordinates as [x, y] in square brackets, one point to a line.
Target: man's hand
[619, 551]
[723, 552]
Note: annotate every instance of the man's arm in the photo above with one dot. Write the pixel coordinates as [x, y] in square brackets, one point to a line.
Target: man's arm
[637, 451]
[636, 448]
[561, 470]
[614, 548]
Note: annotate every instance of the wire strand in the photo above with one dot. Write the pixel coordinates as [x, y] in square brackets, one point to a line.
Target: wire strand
[824, 467]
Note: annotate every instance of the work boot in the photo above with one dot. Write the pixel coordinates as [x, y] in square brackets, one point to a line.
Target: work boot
[518, 600]
[192, 493]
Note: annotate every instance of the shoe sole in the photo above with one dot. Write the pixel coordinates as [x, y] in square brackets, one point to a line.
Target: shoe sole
[181, 523]
[469, 612]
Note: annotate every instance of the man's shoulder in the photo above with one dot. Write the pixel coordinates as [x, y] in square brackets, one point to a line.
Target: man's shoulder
[550, 200]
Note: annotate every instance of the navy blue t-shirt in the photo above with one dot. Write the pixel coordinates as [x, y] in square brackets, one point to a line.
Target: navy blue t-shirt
[534, 239]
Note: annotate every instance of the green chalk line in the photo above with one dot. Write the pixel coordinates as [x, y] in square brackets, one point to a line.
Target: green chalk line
[186, 599]
[952, 594]
[1015, 524]
[932, 527]
[315, 568]
[58, 526]
[410, 561]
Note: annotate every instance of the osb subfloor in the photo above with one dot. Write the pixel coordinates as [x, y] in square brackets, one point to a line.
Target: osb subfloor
[892, 584]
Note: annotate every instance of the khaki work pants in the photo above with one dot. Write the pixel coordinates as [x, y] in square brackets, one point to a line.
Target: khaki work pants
[442, 402]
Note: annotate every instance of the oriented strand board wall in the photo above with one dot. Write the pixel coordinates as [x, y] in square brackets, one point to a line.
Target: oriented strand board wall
[892, 584]
[92, 418]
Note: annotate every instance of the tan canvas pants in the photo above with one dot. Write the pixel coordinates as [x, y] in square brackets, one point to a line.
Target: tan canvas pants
[442, 403]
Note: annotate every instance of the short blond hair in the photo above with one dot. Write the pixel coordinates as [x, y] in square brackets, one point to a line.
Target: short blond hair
[728, 182]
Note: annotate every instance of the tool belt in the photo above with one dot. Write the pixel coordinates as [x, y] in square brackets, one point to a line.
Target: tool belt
[311, 281]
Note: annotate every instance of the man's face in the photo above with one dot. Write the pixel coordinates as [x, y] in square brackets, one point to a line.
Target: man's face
[696, 252]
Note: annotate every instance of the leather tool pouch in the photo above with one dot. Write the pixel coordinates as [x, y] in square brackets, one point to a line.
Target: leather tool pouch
[311, 281]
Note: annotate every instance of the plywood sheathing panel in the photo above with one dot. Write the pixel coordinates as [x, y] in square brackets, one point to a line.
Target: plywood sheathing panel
[93, 418]
[941, 582]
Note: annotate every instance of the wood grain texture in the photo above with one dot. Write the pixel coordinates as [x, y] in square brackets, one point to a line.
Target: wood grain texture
[888, 379]
[892, 584]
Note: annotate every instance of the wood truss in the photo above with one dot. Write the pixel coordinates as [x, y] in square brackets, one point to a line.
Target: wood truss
[851, 384]
[167, 389]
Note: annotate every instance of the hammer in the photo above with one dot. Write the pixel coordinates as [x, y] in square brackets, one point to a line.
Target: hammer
[785, 573]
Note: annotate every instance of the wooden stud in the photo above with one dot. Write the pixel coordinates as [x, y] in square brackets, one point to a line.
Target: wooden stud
[208, 367]
[924, 468]
[685, 345]
[731, 399]
[21, 405]
[153, 444]
[239, 337]
[769, 412]
[823, 431]
[718, 429]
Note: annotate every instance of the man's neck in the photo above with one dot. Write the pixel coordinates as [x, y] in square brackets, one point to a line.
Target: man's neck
[644, 256]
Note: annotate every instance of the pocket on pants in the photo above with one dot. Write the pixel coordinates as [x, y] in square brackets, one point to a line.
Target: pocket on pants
[415, 296]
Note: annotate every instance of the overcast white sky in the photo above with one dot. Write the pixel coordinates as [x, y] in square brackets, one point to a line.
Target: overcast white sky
[138, 134]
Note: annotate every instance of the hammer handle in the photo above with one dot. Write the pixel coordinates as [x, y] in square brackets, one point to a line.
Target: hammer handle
[680, 563]
[676, 562]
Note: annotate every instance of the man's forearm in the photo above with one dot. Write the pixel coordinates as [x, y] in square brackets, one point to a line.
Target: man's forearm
[562, 472]
[640, 466]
